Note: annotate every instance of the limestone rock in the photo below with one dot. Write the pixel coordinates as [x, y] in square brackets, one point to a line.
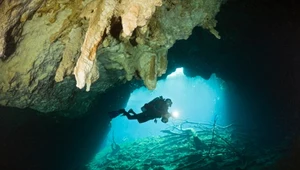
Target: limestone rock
[27, 76]
[12, 13]
[99, 17]
[101, 42]
[136, 13]
[70, 54]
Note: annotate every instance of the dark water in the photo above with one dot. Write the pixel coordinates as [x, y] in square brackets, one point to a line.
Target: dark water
[34, 142]
[257, 55]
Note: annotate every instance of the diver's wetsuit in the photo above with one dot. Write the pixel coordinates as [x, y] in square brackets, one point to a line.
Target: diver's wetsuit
[152, 110]
[141, 117]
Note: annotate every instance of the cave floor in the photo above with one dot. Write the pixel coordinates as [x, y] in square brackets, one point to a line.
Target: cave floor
[197, 146]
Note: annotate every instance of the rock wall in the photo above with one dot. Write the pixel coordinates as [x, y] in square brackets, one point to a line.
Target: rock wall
[44, 43]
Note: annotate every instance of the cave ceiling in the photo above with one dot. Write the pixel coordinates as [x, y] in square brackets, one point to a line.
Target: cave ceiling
[58, 55]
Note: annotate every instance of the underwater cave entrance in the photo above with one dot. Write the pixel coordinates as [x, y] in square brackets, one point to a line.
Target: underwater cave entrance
[194, 99]
[213, 130]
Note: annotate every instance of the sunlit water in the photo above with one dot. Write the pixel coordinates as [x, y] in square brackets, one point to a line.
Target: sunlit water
[194, 99]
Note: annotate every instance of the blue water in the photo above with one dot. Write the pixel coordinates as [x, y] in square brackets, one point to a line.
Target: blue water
[194, 99]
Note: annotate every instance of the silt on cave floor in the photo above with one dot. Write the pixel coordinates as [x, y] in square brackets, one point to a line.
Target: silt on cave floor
[193, 145]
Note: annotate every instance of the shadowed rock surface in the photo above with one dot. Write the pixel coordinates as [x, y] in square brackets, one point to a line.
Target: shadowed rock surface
[257, 52]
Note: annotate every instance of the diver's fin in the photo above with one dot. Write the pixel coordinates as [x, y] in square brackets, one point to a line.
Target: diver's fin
[114, 114]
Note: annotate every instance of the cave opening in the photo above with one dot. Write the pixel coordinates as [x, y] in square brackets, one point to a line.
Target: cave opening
[245, 118]
[194, 99]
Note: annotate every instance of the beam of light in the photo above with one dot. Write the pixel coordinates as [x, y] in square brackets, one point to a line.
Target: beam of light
[175, 114]
[178, 72]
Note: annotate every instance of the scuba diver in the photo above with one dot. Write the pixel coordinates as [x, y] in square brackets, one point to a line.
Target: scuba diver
[157, 108]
